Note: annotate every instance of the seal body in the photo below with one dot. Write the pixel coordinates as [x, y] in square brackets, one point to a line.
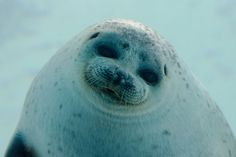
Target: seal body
[119, 89]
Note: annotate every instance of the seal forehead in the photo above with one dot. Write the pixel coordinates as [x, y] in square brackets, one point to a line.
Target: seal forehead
[132, 31]
[124, 24]
[141, 39]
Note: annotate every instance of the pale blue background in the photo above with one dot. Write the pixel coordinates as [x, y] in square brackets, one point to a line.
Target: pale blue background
[202, 31]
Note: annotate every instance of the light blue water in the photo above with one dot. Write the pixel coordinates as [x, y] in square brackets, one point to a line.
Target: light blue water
[203, 33]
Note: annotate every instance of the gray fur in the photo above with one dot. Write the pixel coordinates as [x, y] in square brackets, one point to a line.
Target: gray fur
[65, 115]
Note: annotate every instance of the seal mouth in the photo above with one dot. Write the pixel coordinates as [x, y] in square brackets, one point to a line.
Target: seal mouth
[110, 93]
[114, 95]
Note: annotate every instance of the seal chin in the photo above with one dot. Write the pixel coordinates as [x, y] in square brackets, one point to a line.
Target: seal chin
[111, 82]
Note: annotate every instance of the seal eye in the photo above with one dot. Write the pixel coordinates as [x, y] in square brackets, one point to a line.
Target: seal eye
[106, 51]
[149, 76]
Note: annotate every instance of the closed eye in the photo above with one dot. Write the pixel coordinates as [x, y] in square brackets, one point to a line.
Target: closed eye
[107, 51]
[149, 76]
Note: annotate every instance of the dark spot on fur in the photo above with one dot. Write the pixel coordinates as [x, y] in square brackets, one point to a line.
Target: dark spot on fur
[154, 146]
[95, 35]
[208, 104]
[59, 126]
[60, 106]
[71, 122]
[55, 84]
[77, 115]
[56, 70]
[137, 140]
[125, 46]
[166, 132]
[224, 141]
[156, 60]
[73, 134]
[187, 85]
[49, 151]
[140, 139]
[230, 153]
[73, 82]
[147, 43]
[164, 53]
[64, 129]
[165, 70]
[60, 149]
[180, 73]
[178, 65]
[118, 146]
[143, 57]
[173, 56]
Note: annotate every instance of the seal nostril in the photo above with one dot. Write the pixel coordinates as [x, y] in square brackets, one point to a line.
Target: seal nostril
[119, 77]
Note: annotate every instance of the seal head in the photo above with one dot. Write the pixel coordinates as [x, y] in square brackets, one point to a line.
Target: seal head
[121, 65]
[119, 89]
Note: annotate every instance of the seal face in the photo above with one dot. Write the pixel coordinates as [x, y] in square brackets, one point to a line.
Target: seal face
[119, 89]
[107, 74]
[122, 66]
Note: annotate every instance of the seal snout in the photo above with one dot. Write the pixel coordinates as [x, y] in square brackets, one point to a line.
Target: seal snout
[110, 79]
[118, 77]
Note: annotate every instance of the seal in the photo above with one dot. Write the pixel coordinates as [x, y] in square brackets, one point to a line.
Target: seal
[119, 89]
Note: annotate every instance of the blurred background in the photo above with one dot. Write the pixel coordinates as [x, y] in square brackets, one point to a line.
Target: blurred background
[203, 33]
